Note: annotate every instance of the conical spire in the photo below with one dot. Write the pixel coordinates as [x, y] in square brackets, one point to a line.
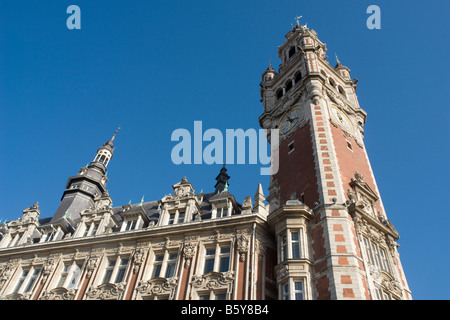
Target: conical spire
[222, 180]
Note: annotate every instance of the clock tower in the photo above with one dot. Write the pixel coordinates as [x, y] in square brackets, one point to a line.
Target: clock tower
[333, 235]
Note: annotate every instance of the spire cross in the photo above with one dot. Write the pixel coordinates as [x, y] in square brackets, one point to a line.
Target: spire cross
[297, 19]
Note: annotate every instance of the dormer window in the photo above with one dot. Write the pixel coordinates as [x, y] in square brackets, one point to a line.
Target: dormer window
[90, 229]
[48, 237]
[130, 225]
[176, 217]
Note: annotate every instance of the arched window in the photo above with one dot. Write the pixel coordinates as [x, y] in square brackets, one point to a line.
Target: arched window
[291, 51]
[298, 77]
[288, 85]
[279, 93]
[341, 91]
[332, 82]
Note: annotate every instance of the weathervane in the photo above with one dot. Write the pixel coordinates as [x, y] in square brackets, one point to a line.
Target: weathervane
[297, 19]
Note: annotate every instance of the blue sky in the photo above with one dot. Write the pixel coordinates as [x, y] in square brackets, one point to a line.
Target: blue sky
[155, 66]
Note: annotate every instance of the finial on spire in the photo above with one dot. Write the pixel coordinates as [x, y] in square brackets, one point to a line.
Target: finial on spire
[337, 59]
[114, 135]
[297, 19]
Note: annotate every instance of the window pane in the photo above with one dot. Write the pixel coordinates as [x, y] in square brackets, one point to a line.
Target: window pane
[171, 218]
[120, 275]
[209, 265]
[224, 264]
[75, 271]
[299, 296]
[63, 276]
[298, 290]
[180, 217]
[221, 296]
[286, 292]
[295, 250]
[156, 271]
[170, 270]
[21, 280]
[225, 250]
[107, 276]
[283, 248]
[32, 280]
[203, 297]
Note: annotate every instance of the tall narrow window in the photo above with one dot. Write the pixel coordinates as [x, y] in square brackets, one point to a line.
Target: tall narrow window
[86, 230]
[291, 51]
[32, 280]
[224, 259]
[209, 260]
[384, 261]
[221, 212]
[171, 263]
[298, 77]
[109, 271]
[21, 280]
[157, 265]
[171, 218]
[283, 248]
[73, 276]
[295, 244]
[298, 290]
[94, 229]
[180, 217]
[63, 276]
[366, 246]
[121, 269]
[376, 255]
[285, 292]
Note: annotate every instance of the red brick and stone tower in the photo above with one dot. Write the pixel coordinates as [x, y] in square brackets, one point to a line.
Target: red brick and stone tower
[334, 238]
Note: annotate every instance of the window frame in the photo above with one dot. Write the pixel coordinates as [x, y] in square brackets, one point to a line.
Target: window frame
[289, 292]
[114, 265]
[25, 283]
[164, 265]
[218, 258]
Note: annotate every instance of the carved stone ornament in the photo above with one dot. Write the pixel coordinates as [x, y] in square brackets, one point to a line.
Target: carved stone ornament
[17, 296]
[59, 294]
[189, 251]
[49, 266]
[106, 291]
[213, 280]
[138, 258]
[243, 242]
[92, 265]
[158, 286]
[7, 271]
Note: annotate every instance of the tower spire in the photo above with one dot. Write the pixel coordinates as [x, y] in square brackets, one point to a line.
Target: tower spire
[222, 180]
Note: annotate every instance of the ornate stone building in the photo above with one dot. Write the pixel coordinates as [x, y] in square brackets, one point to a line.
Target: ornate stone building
[323, 232]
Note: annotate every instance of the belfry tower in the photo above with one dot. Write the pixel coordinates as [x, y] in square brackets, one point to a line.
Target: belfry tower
[88, 184]
[333, 235]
